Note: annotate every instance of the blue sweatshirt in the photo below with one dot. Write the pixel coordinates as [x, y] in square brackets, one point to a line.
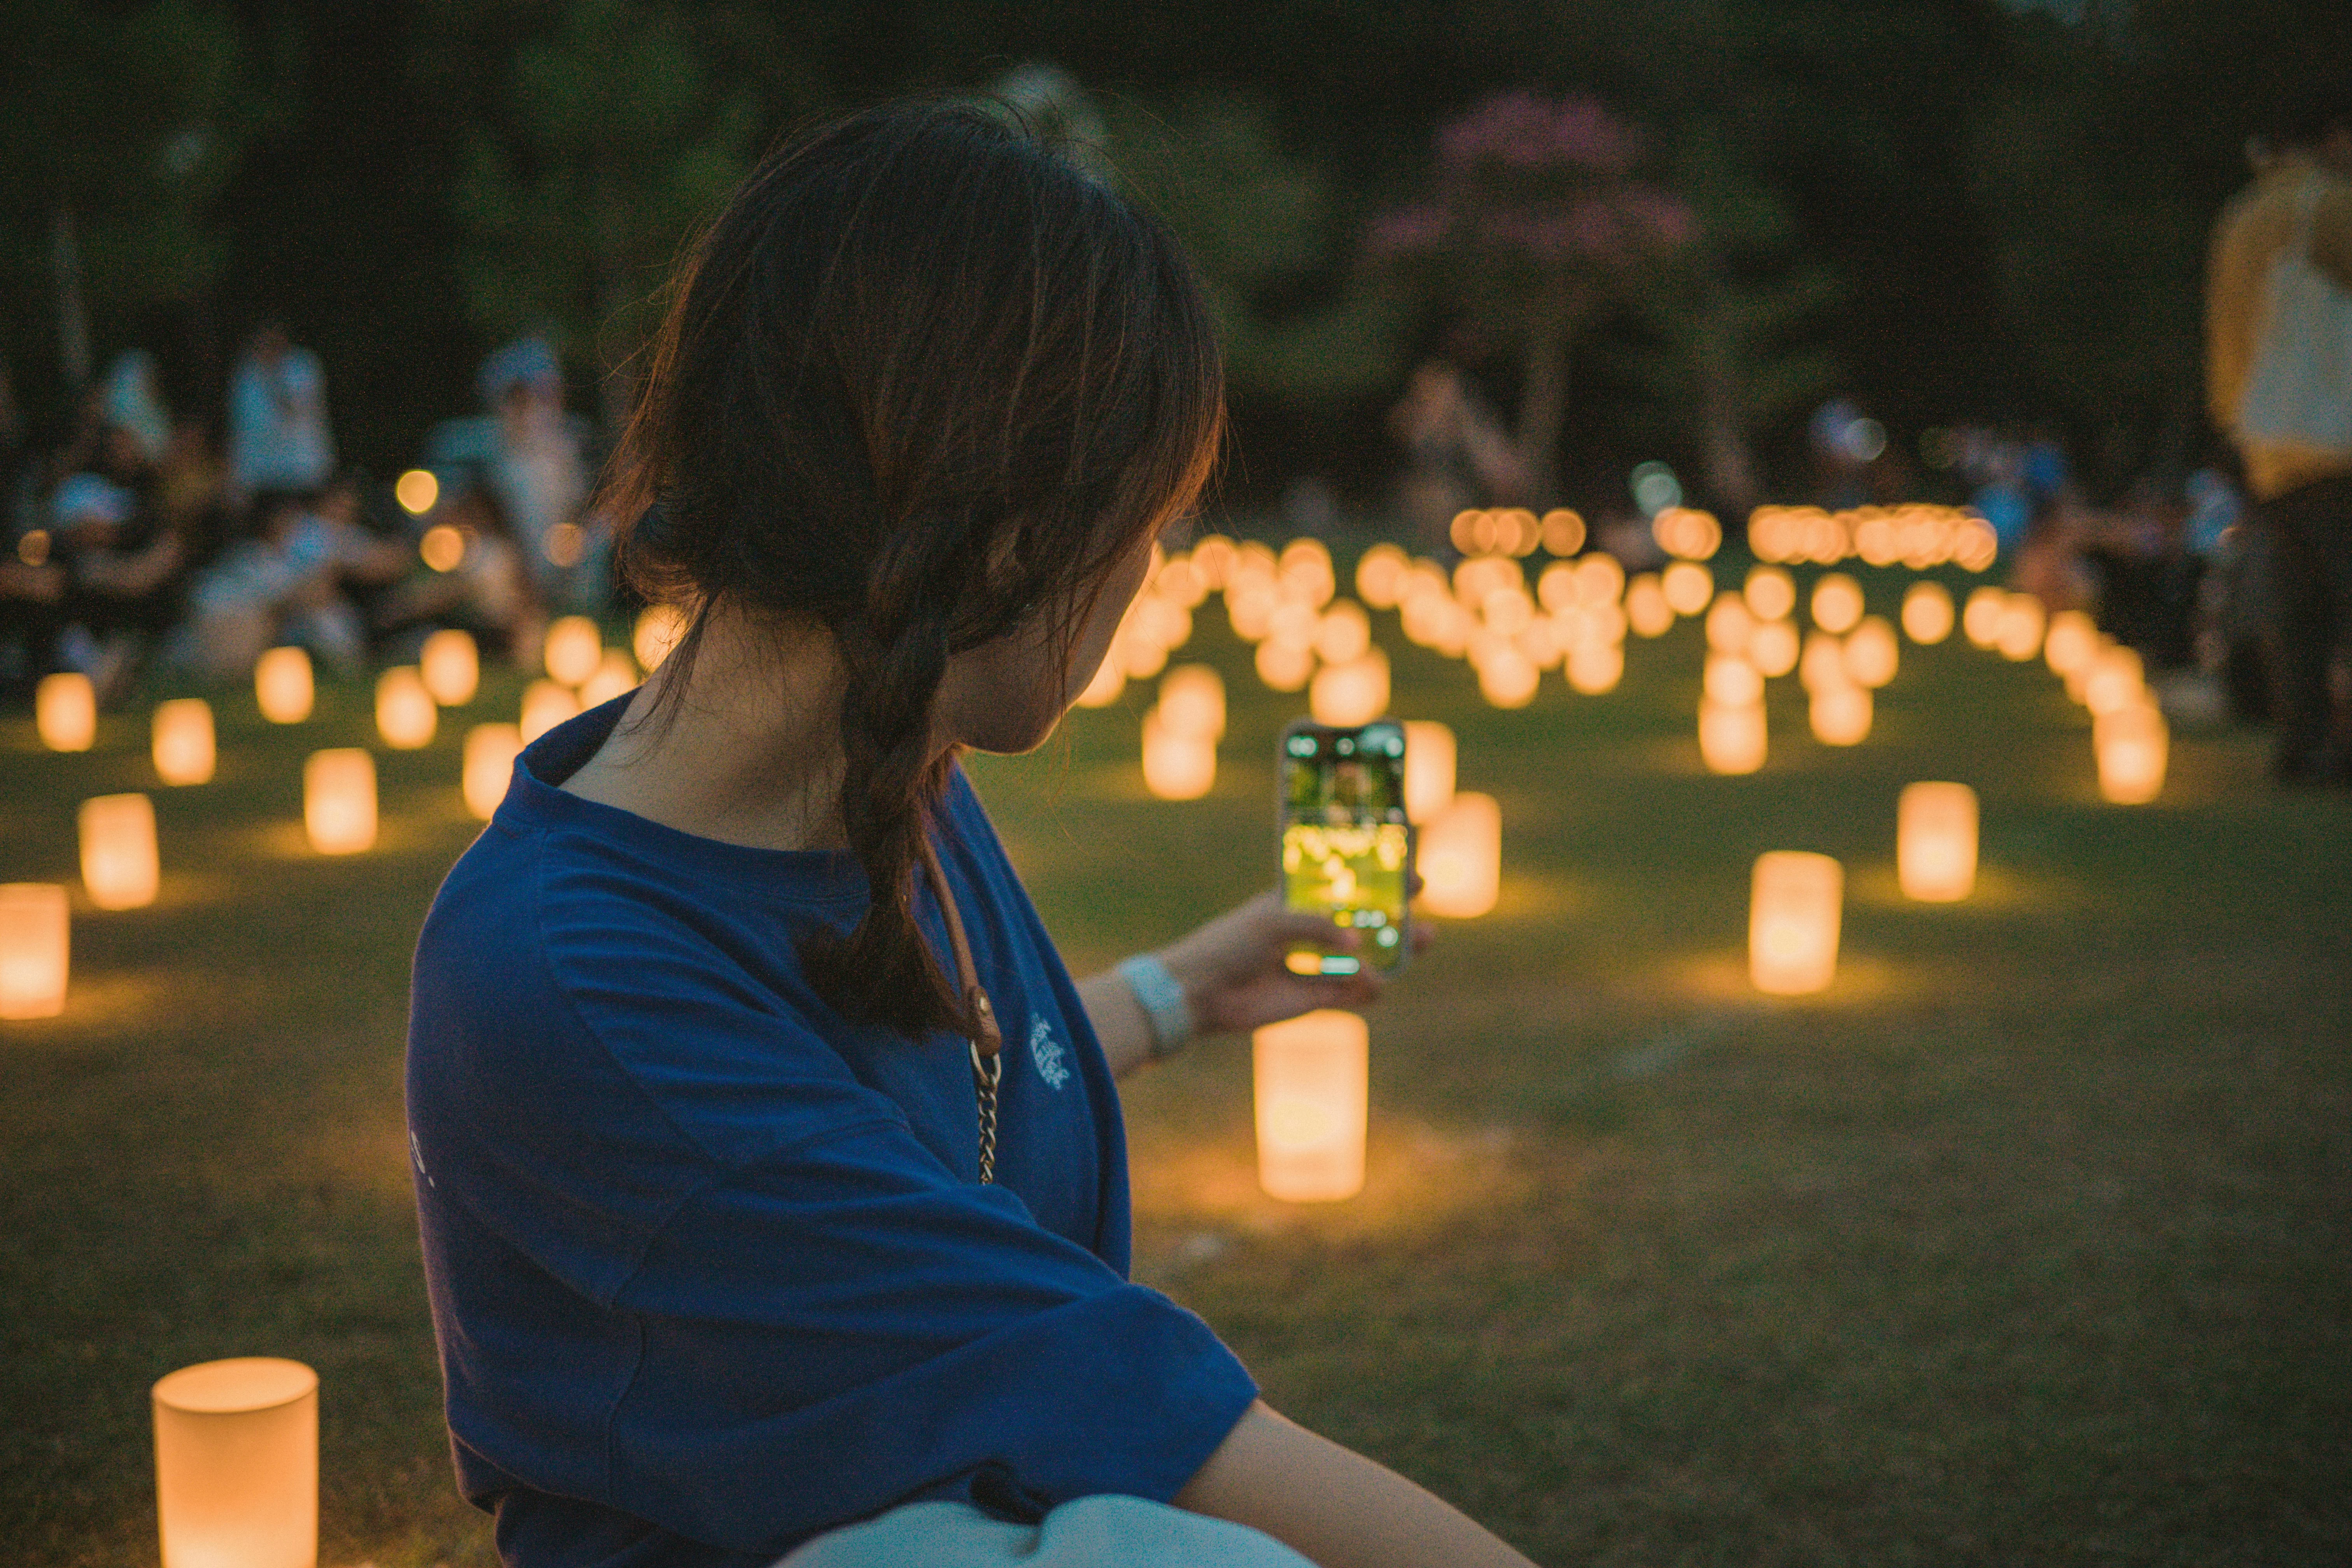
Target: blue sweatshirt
[711, 1266]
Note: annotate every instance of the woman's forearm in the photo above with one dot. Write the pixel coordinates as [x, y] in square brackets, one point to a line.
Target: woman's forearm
[1333, 1505]
[1119, 1020]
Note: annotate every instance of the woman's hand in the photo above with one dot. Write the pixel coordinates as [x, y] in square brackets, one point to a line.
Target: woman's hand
[1233, 973]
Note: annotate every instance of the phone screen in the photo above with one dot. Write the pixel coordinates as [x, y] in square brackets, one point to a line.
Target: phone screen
[1347, 849]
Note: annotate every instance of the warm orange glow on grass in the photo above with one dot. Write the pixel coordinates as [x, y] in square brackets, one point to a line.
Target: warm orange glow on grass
[339, 801]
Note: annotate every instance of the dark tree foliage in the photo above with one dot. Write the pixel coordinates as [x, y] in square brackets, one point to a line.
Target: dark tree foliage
[1950, 208]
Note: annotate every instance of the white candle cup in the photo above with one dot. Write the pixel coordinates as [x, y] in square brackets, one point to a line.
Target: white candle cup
[1312, 1090]
[35, 941]
[339, 801]
[184, 749]
[1935, 842]
[282, 685]
[65, 712]
[490, 752]
[119, 867]
[405, 713]
[451, 666]
[236, 1463]
[1794, 913]
[1429, 762]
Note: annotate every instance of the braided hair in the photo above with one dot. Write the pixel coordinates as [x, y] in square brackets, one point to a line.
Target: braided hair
[922, 384]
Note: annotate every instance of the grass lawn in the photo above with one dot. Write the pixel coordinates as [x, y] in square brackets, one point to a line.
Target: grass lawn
[2030, 1241]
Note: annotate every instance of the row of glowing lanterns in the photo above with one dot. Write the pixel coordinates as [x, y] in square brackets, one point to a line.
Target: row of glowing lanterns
[120, 862]
[1312, 1073]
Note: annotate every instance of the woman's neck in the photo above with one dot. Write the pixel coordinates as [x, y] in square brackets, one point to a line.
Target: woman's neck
[746, 751]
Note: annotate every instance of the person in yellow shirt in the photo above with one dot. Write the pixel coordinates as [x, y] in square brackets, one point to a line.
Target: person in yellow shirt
[2302, 194]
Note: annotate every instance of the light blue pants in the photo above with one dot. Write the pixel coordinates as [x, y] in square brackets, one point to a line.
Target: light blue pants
[1089, 1533]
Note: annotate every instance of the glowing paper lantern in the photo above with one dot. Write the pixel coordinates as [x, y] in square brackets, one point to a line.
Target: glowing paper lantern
[1870, 652]
[1594, 669]
[1772, 648]
[35, 936]
[1429, 754]
[1600, 580]
[236, 1463]
[1927, 613]
[1313, 1090]
[574, 648]
[1461, 856]
[1104, 689]
[2133, 748]
[657, 630]
[1771, 594]
[1837, 603]
[545, 705]
[1508, 679]
[405, 713]
[282, 686]
[1356, 692]
[1732, 682]
[1728, 624]
[117, 851]
[1980, 619]
[65, 712]
[1285, 667]
[490, 752]
[616, 674]
[1379, 576]
[1792, 922]
[2114, 679]
[1935, 842]
[2071, 642]
[1688, 586]
[1177, 764]
[1192, 701]
[451, 666]
[1646, 610]
[1731, 738]
[183, 747]
[1840, 714]
[2018, 633]
[339, 800]
[1343, 633]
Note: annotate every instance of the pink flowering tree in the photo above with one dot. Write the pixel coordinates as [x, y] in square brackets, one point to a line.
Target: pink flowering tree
[1535, 217]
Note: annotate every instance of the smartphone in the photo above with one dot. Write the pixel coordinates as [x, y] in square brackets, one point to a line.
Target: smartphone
[1347, 849]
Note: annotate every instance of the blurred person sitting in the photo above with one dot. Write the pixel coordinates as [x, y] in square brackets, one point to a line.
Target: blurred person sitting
[1458, 455]
[2279, 382]
[278, 437]
[284, 582]
[121, 571]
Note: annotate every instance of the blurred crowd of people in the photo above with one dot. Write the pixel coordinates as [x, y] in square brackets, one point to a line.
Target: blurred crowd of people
[140, 542]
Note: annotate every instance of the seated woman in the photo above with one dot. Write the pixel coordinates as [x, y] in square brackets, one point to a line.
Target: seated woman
[769, 1162]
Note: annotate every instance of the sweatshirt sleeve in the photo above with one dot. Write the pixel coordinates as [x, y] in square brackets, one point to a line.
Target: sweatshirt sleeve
[847, 1324]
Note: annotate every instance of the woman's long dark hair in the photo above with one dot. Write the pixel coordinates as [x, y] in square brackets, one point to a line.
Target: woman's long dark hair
[923, 383]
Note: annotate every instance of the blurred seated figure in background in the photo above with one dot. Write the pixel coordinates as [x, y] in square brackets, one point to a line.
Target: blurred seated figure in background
[122, 566]
[486, 589]
[283, 583]
[278, 437]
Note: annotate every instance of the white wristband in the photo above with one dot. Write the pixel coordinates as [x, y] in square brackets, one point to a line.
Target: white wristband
[1162, 1001]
